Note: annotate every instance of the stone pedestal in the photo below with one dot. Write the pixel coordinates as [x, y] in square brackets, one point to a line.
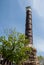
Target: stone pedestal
[32, 60]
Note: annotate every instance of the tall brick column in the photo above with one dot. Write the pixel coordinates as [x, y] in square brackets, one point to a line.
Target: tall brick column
[28, 30]
[32, 60]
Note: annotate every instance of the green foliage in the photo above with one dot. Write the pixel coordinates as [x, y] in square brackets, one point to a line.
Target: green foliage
[13, 47]
[40, 57]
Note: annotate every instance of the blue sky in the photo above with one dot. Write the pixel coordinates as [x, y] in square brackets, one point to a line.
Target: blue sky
[13, 15]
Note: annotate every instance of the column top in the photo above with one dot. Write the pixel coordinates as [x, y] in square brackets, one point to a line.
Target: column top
[28, 8]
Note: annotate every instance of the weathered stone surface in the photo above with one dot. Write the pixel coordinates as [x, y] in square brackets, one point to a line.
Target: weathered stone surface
[32, 60]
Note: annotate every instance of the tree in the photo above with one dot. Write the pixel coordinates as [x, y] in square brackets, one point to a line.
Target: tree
[41, 60]
[14, 48]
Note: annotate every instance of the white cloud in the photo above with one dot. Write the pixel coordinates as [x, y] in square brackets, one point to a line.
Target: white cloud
[38, 5]
[39, 43]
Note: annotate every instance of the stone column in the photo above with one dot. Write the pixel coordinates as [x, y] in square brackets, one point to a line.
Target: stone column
[28, 30]
[32, 60]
